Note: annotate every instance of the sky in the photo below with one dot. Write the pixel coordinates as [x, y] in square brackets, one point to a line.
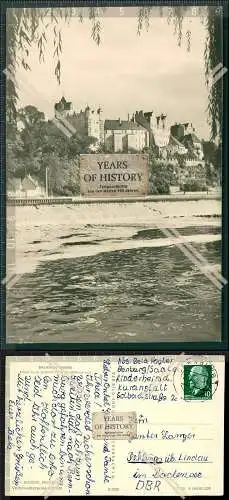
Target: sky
[125, 73]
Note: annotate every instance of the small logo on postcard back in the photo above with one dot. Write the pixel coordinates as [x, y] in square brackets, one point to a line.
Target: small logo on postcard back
[197, 382]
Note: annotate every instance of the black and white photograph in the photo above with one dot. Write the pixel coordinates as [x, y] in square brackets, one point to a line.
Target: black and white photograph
[114, 174]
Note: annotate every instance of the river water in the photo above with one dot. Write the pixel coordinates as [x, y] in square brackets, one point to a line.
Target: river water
[111, 274]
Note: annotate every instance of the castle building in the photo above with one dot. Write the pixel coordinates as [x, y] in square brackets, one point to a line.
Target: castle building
[63, 108]
[185, 134]
[88, 121]
[175, 147]
[94, 123]
[194, 146]
[124, 135]
[143, 130]
[155, 125]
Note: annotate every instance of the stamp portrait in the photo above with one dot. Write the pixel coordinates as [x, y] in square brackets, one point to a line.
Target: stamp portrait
[197, 382]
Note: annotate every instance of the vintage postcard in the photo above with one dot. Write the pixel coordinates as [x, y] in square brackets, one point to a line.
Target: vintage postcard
[114, 144]
[138, 425]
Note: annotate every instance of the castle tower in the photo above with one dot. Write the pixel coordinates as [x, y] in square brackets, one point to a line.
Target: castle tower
[94, 123]
[101, 124]
[62, 107]
[163, 120]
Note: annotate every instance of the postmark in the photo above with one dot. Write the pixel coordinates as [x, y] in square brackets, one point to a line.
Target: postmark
[114, 425]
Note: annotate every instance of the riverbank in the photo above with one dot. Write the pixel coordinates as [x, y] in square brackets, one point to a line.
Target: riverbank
[78, 200]
[141, 212]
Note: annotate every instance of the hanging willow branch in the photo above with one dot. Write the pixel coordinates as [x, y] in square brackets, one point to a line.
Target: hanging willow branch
[212, 19]
[143, 19]
[26, 26]
[213, 56]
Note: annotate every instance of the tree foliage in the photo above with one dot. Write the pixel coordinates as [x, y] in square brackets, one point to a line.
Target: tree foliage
[40, 146]
[162, 175]
[14, 149]
[213, 159]
[26, 26]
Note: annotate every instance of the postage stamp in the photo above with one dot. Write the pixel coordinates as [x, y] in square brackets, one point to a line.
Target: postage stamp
[114, 425]
[197, 382]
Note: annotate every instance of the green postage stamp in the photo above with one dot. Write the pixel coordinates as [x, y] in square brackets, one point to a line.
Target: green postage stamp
[197, 382]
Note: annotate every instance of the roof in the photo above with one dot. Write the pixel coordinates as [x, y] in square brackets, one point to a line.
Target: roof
[29, 183]
[122, 125]
[173, 140]
[193, 137]
[63, 104]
